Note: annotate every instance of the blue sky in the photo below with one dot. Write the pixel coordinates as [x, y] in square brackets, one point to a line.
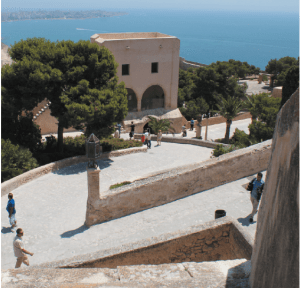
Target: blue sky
[291, 6]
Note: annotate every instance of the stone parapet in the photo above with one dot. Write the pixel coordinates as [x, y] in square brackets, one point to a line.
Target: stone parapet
[219, 120]
[174, 184]
[182, 140]
[26, 177]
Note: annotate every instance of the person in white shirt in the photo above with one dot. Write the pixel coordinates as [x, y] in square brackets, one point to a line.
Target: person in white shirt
[148, 137]
[19, 249]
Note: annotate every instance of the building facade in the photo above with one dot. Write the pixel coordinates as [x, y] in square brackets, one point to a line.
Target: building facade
[149, 66]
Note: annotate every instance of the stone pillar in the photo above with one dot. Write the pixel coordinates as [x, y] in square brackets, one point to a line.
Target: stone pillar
[139, 104]
[198, 130]
[93, 179]
[206, 130]
[260, 77]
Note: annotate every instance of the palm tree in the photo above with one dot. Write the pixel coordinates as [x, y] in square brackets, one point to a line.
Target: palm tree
[229, 108]
[251, 105]
[160, 124]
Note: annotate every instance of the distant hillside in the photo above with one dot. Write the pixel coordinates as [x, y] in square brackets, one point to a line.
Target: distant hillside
[55, 14]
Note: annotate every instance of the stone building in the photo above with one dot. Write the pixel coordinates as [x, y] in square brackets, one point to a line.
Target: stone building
[149, 66]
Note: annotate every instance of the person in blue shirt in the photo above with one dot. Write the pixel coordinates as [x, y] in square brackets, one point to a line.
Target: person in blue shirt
[119, 128]
[258, 186]
[11, 210]
[192, 124]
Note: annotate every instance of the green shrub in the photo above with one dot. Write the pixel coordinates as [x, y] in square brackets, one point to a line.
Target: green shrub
[119, 184]
[15, 160]
[240, 139]
[118, 144]
[220, 150]
[265, 78]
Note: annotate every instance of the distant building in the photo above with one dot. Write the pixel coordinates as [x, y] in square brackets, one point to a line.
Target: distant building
[149, 66]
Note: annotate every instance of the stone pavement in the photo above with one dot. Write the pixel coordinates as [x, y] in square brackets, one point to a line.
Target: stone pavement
[51, 209]
[255, 88]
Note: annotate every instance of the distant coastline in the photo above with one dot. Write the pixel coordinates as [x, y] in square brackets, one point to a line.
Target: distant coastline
[56, 15]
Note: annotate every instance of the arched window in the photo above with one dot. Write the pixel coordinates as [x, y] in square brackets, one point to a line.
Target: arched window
[153, 98]
[132, 102]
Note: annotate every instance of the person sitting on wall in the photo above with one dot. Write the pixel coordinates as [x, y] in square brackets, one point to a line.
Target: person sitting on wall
[183, 131]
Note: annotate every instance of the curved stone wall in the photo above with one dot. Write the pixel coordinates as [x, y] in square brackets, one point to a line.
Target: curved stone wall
[26, 177]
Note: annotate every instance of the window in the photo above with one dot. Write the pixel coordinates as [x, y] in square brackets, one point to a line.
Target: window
[154, 67]
[125, 69]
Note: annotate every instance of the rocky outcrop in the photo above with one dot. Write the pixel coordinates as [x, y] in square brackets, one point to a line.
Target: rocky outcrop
[275, 260]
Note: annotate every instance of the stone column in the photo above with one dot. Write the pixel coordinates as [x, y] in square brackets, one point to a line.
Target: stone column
[139, 104]
[206, 130]
[93, 178]
[198, 130]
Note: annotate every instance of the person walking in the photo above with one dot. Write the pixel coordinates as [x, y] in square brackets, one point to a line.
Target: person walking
[119, 129]
[132, 126]
[192, 124]
[159, 136]
[19, 249]
[148, 137]
[256, 187]
[11, 209]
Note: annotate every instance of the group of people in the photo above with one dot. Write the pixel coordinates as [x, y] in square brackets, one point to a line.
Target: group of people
[18, 244]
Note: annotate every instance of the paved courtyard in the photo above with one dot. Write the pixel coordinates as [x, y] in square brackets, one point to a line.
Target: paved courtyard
[51, 209]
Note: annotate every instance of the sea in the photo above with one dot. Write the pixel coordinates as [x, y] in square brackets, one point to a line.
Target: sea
[205, 36]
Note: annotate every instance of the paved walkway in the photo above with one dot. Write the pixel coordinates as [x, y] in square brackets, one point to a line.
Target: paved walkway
[51, 209]
[255, 88]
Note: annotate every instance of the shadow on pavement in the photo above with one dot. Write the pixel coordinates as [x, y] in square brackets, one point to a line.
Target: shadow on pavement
[81, 167]
[6, 230]
[245, 221]
[71, 233]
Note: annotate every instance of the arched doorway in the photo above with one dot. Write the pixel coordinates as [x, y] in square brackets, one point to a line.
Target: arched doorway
[153, 98]
[132, 101]
[146, 127]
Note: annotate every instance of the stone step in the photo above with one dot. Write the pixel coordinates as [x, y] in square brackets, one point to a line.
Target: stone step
[217, 274]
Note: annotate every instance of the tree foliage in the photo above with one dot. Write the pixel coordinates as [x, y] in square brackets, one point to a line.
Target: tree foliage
[210, 82]
[63, 72]
[278, 68]
[290, 83]
[15, 160]
[229, 108]
[266, 109]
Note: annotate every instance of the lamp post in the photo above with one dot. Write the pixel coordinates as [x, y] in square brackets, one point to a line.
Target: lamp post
[93, 151]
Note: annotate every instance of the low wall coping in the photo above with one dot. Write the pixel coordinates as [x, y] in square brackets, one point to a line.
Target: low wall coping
[166, 237]
[184, 140]
[28, 176]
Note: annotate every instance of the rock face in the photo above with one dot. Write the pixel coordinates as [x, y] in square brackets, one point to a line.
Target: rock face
[275, 258]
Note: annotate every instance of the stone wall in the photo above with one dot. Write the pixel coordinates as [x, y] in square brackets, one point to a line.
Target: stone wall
[214, 240]
[140, 119]
[185, 64]
[26, 177]
[275, 260]
[48, 123]
[277, 92]
[182, 140]
[178, 183]
[219, 120]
